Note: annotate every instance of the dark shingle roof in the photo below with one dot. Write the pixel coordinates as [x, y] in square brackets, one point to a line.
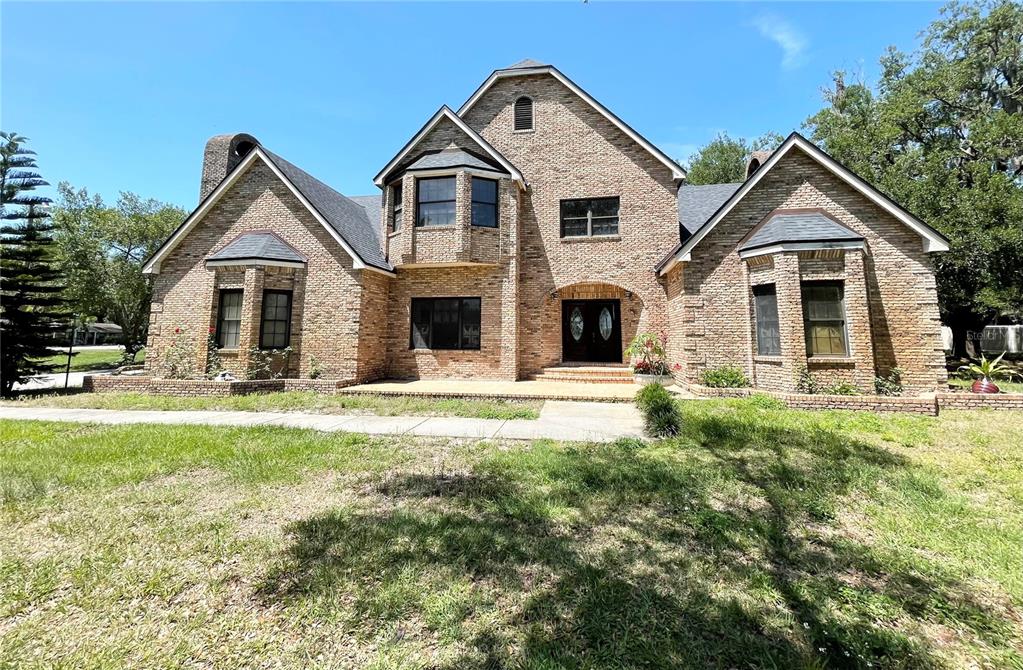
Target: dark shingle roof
[696, 204]
[349, 218]
[525, 63]
[264, 245]
[798, 227]
[450, 158]
[373, 204]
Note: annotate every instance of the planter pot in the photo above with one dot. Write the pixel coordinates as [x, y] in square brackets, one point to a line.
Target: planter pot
[663, 380]
[984, 385]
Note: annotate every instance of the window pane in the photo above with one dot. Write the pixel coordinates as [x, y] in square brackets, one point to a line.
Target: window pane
[484, 190]
[432, 190]
[437, 214]
[605, 226]
[766, 313]
[445, 324]
[231, 305]
[421, 314]
[604, 207]
[484, 215]
[471, 323]
[574, 208]
[824, 319]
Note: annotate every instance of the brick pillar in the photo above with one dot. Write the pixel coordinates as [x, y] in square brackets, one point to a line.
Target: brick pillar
[252, 308]
[790, 318]
[857, 314]
[463, 216]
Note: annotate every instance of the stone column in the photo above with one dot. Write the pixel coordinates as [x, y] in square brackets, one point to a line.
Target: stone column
[252, 309]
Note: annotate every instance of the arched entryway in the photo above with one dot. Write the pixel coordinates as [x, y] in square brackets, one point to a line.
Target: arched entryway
[592, 322]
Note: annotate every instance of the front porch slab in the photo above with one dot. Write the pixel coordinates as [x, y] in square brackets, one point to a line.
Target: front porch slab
[535, 390]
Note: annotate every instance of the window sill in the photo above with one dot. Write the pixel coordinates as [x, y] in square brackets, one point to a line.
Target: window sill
[422, 228]
[524, 132]
[834, 360]
[420, 350]
[768, 359]
[592, 238]
[475, 227]
[393, 233]
[229, 352]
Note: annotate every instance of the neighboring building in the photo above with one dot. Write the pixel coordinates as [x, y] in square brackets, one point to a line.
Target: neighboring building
[533, 228]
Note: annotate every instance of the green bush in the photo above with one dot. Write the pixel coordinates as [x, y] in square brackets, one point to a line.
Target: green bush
[807, 383]
[890, 384]
[725, 377]
[661, 414]
[842, 388]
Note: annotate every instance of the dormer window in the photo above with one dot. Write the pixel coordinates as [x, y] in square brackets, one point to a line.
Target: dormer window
[524, 113]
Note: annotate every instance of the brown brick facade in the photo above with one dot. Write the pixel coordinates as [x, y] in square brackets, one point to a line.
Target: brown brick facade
[354, 324]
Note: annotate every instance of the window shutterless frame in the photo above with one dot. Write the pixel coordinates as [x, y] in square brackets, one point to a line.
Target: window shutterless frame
[485, 197]
[589, 217]
[275, 320]
[396, 206]
[824, 318]
[445, 323]
[765, 312]
[435, 198]
[229, 317]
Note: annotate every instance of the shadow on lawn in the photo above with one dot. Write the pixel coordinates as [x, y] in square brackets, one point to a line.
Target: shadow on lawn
[714, 550]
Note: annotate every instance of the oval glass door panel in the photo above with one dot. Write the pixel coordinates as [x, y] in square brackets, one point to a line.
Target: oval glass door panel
[575, 324]
[604, 323]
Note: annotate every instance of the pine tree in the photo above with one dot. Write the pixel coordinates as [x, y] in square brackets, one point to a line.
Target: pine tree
[30, 303]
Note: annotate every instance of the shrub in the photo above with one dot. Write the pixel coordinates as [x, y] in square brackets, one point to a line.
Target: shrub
[315, 371]
[725, 377]
[648, 355]
[213, 362]
[890, 384]
[807, 383]
[661, 414]
[179, 358]
[268, 363]
[841, 388]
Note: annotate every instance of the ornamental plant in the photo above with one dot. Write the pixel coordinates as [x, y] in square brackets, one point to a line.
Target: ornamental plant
[179, 358]
[648, 355]
[988, 370]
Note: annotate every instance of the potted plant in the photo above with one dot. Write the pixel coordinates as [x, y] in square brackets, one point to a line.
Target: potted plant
[648, 360]
[985, 371]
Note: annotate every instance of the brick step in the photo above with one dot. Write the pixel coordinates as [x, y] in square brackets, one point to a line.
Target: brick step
[587, 374]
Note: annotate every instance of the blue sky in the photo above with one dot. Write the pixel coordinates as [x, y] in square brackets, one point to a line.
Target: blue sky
[122, 96]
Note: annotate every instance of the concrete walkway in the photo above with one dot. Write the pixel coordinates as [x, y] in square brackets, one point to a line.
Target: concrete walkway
[559, 420]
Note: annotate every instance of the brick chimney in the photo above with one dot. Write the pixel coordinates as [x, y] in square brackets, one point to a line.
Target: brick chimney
[756, 159]
[222, 154]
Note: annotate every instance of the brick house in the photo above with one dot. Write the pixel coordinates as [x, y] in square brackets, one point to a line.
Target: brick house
[532, 228]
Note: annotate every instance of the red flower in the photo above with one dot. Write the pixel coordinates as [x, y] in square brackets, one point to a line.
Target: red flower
[212, 330]
[177, 331]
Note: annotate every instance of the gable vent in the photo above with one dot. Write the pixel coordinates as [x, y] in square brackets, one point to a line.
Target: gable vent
[524, 114]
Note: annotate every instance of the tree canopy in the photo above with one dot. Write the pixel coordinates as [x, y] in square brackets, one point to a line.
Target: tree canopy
[102, 250]
[942, 134]
[723, 160]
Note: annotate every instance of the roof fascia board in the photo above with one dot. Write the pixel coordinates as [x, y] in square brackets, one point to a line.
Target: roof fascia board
[449, 171]
[446, 113]
[223, 262]
[801, 246]
[932, 240]
[677, 171]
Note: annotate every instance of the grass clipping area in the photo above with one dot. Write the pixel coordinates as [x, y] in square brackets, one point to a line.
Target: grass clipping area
[300, 401]
[757, 537]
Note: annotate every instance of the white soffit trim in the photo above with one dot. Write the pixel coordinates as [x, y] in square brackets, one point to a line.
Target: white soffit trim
[676, 170]
[153, 265]
[932, 240]
[253, 261]
[800, 246]
[446, 113]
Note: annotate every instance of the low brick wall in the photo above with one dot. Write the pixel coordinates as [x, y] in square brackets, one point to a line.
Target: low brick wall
[928, 404]
[980, 401]
[205, 388]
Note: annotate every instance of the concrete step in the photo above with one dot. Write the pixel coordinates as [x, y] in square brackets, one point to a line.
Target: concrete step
[587, 374]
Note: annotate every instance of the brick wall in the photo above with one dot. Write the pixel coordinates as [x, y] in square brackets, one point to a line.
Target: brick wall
[204, 388]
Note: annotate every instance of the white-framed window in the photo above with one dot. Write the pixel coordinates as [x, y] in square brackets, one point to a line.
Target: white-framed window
[824, 318]
[524, 113]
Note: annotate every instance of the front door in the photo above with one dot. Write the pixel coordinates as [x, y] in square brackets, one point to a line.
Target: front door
[591, 330]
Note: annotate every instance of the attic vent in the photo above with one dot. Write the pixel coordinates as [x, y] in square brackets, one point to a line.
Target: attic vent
[524, 113]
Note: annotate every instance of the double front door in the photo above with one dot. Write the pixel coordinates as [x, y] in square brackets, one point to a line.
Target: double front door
[591, 330]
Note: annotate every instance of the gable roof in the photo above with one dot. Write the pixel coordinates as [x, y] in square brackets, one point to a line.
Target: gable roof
[698, 203]
[530, 67]
[258, 245]
[932, 239]
[445, 113]
[797, 226]
[346, 221]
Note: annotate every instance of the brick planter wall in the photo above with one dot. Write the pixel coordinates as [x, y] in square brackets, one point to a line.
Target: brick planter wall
[204, 388]
[929, 404]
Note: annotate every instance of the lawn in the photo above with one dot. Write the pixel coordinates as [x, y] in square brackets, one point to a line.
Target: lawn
[760, 537]
[300, 401]
[92, 359]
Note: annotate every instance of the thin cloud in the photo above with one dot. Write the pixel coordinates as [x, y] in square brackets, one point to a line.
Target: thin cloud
[792, 42]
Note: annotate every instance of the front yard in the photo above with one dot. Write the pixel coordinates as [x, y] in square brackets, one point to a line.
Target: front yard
[760, 537]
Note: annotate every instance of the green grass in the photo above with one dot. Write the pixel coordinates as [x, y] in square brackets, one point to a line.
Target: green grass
[759, 537]
[300, 401]
[1004, 386]
[92, 359]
